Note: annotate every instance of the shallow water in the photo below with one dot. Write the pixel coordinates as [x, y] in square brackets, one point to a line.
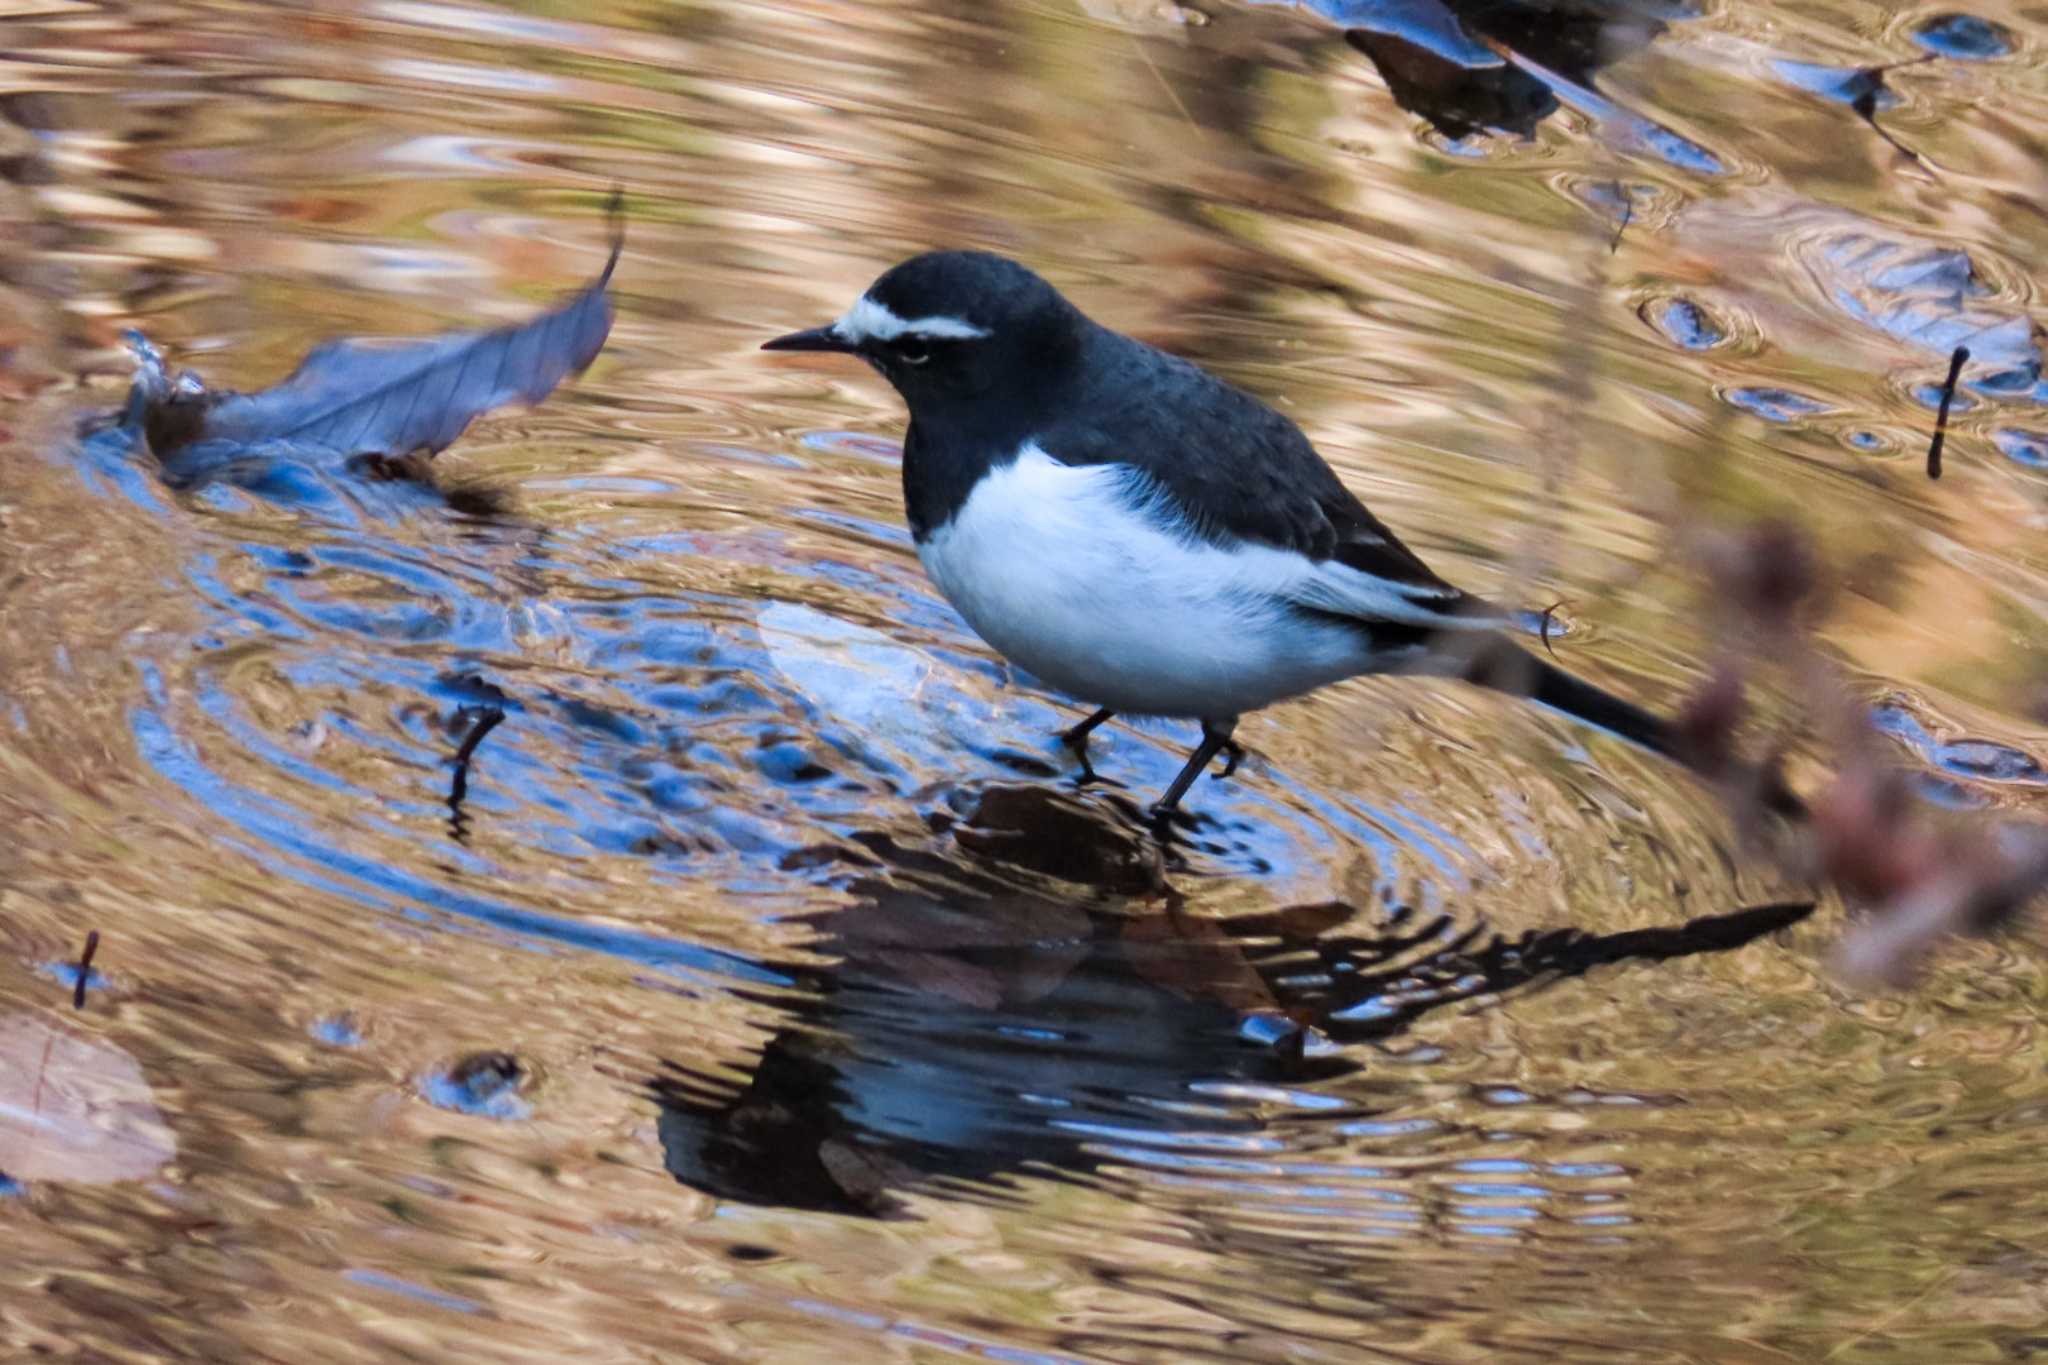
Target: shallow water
[772, 989]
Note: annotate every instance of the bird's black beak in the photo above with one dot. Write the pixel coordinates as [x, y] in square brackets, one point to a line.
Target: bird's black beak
[816, 339]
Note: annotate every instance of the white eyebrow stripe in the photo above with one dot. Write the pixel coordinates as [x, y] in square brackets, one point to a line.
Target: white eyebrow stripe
[869, 320]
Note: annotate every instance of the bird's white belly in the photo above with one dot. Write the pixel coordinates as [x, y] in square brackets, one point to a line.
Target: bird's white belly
[1064, 571]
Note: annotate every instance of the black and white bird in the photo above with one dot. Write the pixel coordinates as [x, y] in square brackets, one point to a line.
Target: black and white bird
[1143, 536]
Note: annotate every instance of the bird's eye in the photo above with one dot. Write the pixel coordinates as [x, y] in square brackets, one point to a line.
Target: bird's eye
[913, 350]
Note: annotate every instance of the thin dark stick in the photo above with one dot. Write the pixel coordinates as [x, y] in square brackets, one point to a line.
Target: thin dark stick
[92, 945]
[488, 719]
[1628, 215]
[1543, 630]
[615, 216]
[1865, 105]
[1948, 395]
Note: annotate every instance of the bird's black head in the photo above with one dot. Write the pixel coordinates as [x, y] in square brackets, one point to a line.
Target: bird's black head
[954, 326]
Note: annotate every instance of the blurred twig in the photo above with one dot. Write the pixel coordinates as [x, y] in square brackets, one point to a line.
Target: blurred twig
[1948, 396]
[488, 716]
[92, 945]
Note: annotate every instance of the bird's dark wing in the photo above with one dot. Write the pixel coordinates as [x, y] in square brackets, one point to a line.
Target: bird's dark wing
[1238, 470]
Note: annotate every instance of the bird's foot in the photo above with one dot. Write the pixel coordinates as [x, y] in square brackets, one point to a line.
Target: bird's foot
[1233, 754]
[1161, 817]
[1215, 740]
[1075, 739]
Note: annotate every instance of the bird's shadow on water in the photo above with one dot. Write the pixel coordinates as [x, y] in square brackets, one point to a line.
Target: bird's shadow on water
[978, 1025]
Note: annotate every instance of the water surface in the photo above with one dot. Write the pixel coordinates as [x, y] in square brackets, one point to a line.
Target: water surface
[772, 989]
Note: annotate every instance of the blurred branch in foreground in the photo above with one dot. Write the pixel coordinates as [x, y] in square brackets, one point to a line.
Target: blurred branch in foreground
[1918, 875]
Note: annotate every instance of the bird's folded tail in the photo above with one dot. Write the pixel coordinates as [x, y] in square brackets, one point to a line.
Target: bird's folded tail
[1506, 667]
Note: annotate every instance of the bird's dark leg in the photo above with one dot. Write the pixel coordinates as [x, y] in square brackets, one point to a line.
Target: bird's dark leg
[1076, 738]
[1215, 740]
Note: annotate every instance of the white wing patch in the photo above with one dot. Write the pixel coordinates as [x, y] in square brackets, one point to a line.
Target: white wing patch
[1291, 576]
[1330, 586]
[869, 320]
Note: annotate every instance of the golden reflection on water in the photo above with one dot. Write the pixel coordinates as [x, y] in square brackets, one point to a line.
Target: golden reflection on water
[767, 853]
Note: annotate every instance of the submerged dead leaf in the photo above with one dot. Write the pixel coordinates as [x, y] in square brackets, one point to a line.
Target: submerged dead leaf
[358, 397]
[74, 1110]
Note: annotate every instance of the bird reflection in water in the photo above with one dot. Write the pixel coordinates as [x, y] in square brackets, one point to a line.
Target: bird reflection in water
[972, 1029]
[1470, 66]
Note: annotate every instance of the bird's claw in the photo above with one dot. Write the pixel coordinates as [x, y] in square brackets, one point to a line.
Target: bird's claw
[1075, 740]
[1233, 754]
